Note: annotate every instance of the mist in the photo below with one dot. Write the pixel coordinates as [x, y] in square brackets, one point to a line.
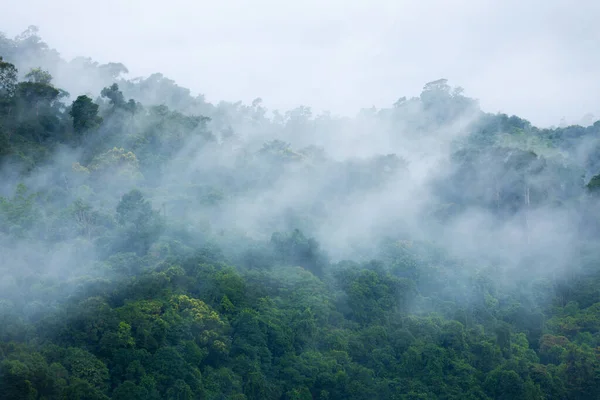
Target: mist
[535, 60]
[426, 208]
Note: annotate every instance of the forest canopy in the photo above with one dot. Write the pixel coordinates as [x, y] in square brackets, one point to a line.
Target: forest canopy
[156, 246]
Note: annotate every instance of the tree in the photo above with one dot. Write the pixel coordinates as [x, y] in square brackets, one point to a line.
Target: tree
[372, 293]
[128, 390]
[180, 391]
[582, 372]
[85, 114]
[505, 385]
[297, 249]
[113, 70]
[38, 75]
[80, 389]
[140, 224]
[593, 185]
[133, 209]
[15, 379]
[84, 365]
[8, 79]
[38, 112]
[114, 95]
[439, 86]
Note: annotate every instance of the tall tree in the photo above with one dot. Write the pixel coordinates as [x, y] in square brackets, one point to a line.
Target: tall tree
[8, 79]
[85, 114]
[38, 75]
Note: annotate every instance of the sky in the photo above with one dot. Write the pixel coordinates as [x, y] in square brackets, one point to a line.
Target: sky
[535, 59]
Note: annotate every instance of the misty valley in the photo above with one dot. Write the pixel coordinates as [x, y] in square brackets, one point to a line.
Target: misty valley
[154, 245]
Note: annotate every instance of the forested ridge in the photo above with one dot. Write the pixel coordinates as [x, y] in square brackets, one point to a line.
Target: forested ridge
[156, 246]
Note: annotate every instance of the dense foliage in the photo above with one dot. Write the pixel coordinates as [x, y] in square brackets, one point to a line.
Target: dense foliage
[156, 246]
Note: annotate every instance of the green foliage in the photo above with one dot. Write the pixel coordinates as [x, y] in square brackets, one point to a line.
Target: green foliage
[128, 270]
[114, 95]
[18, 214]
[296, 249]
[8, 80]
[594, 184]
[85, 114]
[116, 162]
[38, 75]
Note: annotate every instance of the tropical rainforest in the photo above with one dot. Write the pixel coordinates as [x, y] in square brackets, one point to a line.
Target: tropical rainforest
[154, 245]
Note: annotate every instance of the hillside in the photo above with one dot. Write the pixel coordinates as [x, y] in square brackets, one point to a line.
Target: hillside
[157, 246]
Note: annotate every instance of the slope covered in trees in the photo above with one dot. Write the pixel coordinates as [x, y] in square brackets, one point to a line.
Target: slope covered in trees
[156, 246]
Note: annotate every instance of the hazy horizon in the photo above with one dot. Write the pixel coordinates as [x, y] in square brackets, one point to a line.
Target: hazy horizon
[535, 60]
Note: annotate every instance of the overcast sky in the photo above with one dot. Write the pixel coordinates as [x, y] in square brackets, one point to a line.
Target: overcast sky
[537, 59]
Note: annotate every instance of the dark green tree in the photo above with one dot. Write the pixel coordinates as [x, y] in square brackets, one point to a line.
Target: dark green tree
[8, 79]
[85, 114]
[115, 96]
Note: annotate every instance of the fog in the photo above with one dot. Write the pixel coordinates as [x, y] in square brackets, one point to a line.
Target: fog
[536, 59]
[311, 201]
